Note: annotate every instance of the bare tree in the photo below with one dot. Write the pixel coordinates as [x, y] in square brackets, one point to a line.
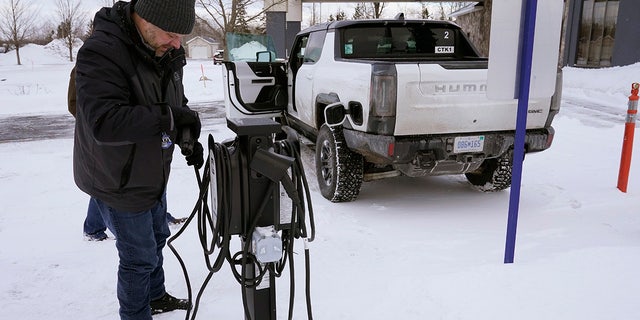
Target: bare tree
[315, 14]
[377, 9]
[72, 22]
[232, 15]
[443, 14]
[17, 23]
[368, 10]
[44, 33]
[447, 8]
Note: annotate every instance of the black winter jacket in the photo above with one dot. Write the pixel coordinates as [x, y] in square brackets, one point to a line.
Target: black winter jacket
[123, 94]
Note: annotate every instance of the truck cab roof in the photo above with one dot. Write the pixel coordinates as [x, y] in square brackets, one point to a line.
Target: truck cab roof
[346, 23]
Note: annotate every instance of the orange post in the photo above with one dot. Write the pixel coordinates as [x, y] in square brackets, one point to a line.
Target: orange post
[627, 143]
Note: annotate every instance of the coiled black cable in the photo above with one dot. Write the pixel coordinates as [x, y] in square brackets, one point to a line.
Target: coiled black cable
[291, 148]
[180, 231]
[220, 238]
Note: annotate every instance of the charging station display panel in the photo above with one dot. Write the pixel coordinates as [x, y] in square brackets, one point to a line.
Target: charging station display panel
[507, 24]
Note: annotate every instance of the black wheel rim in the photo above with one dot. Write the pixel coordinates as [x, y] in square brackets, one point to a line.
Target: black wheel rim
[326, 165]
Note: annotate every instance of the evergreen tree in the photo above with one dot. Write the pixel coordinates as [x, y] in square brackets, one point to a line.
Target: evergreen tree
[242, 25]
[64, 29]
[424, 13]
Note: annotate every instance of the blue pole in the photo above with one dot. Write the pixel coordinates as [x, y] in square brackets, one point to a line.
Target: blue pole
[526, 57]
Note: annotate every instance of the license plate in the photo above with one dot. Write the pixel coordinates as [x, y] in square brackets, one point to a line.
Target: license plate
[468, 144]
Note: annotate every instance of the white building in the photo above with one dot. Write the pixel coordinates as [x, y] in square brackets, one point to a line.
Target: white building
[202, 47]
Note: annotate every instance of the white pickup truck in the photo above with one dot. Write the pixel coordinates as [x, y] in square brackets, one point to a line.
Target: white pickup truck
[402, 97]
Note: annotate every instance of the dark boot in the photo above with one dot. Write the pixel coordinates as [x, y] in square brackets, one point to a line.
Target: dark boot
[169, 303]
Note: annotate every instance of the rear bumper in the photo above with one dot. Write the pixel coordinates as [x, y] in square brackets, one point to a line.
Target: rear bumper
[433, 154]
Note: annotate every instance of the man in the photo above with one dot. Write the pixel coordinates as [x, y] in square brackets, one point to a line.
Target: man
[131, 110]
[94, 227]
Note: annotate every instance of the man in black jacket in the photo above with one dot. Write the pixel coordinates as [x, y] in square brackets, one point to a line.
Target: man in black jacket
[131, 109]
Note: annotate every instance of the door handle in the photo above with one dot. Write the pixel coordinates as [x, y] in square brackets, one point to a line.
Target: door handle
[261, 80]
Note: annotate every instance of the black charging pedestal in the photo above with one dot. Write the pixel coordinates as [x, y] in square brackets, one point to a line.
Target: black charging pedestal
[260, 207]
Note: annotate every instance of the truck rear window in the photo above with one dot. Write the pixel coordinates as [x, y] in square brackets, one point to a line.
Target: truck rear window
[404, 41]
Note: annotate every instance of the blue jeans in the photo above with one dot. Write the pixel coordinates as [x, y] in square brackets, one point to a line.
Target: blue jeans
[94, 224]
[140, 237]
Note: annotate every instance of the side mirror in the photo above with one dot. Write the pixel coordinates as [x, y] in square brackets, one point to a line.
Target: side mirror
[264, 56]
[334, 114]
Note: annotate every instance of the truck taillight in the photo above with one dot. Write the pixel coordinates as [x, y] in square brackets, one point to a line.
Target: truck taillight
[383, 97]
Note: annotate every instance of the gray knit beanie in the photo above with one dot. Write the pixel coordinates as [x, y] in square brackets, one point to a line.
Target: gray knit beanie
[177, 16]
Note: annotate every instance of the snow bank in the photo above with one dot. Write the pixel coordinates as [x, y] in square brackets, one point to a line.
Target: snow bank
[247, 52]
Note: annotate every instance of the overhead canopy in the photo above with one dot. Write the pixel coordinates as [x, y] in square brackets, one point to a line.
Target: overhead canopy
[472, 7]
[337, 1]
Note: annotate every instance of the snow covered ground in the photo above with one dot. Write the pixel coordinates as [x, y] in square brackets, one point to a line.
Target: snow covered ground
[427, 248]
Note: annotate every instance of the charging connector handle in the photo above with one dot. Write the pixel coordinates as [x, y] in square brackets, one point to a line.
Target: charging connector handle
[187, 142]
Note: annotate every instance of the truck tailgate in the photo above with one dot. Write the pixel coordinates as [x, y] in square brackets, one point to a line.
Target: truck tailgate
[435, 100]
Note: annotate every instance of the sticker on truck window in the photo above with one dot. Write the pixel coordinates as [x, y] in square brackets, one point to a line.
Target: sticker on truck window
[468, 144]
[444, 49]
[348, 48]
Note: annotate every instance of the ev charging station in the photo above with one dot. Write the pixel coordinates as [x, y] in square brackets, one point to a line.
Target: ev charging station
[245, 177]
[523, 63]
[242, 179]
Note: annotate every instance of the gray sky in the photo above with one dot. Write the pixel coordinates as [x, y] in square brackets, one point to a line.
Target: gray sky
[48, 8]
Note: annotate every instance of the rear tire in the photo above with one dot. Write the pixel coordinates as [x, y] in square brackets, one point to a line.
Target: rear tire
[338, 169]
[493, 174]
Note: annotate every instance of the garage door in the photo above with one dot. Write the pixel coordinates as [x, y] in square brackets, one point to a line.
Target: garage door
[199, 52]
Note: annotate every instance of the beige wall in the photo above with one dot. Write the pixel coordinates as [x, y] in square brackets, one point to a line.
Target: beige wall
[477, 25]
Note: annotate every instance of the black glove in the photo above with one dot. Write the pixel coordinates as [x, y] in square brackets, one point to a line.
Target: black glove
[196, 158]
[183, 117]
